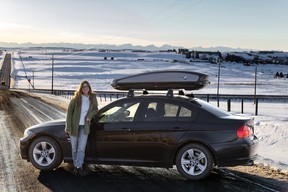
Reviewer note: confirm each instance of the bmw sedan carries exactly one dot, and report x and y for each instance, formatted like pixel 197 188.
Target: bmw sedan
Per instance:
pixel 154 131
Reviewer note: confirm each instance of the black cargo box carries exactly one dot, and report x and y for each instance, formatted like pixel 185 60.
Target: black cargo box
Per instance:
pixel 162 80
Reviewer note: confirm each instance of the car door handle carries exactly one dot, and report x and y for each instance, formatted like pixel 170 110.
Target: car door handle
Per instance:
pixel 177 128
pixel 125 129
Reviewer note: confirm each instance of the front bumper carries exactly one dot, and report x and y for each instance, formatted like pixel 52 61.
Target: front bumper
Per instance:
pixel 24 147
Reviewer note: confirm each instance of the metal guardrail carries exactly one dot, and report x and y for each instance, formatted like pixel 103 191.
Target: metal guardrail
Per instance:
pixel 110 95
pixel 102 95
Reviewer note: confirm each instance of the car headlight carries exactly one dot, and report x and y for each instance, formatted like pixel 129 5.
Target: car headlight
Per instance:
pixel 27 132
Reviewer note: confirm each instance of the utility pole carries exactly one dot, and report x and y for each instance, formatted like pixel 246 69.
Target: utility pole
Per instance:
pixel 52 73
pixel 219 66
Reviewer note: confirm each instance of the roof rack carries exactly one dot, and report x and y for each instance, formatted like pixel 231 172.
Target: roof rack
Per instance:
pixel 170 93
pixel 130 93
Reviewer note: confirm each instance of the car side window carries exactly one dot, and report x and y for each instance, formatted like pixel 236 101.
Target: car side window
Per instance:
pixel 170 110
pixel 151 113
pixel 184 112
pixel 165 111
pixel 125 112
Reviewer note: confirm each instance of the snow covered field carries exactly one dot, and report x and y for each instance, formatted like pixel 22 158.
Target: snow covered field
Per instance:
pixel 271 125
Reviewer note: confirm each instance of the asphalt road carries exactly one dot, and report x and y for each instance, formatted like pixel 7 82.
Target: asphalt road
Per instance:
pixel 5 72
pixel 19 110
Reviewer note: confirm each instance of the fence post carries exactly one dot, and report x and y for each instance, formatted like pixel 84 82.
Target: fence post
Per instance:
pixel 242 106
pixel 208 98
pixel 256 107
pixel 100 95
pixel 229 104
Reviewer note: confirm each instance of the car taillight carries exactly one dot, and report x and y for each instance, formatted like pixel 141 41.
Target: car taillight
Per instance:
pixel 244 131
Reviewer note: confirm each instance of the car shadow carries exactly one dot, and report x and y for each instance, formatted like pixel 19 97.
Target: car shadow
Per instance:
pixel 133 179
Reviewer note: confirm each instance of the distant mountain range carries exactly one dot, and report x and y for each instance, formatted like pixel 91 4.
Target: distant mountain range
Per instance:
pixel 4 45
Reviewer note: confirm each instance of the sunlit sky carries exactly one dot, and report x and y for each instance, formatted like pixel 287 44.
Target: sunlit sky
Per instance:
pixel 251 24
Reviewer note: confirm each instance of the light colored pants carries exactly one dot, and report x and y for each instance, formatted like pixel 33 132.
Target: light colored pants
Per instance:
pixel 78 145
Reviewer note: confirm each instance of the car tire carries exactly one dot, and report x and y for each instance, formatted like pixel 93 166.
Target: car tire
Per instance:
pixel 194 162
pixel 45 154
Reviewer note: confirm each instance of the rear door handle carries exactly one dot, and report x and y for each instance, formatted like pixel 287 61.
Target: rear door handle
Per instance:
pixel 177 128
pixel 125 129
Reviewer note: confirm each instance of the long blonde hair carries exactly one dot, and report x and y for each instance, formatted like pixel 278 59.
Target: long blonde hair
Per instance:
pixel 78 92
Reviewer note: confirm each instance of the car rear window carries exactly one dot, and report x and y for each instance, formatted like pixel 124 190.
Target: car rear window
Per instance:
pixel 211 108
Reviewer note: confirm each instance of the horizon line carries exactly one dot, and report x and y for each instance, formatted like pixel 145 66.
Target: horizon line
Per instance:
pixel 57 44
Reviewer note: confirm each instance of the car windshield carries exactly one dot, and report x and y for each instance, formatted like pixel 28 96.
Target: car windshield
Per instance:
pixel 212 109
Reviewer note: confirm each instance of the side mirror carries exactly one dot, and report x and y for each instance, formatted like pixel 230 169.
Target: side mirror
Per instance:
pixel 127 113
pixel 95 119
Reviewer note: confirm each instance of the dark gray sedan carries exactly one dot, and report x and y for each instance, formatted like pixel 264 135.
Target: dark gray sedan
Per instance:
pixel 151 130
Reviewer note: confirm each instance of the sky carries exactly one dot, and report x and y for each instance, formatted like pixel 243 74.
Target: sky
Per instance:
pixel 70 69
pixel 247 24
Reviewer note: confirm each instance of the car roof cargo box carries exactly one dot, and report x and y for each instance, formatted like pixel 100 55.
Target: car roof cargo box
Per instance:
pixel 162 80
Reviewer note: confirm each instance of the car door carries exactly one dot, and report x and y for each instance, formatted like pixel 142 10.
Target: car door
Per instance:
pixel 111 137
pixel 155 135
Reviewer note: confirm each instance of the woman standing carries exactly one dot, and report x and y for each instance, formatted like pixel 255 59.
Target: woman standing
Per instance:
pixel 81 109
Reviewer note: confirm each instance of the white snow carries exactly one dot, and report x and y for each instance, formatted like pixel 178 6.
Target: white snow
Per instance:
pixel 271 125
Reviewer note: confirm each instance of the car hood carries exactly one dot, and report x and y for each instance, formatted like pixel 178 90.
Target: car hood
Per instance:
pixel 55 123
